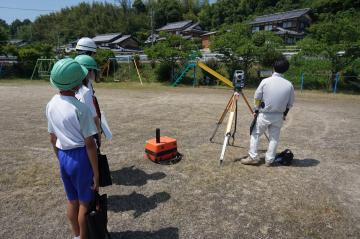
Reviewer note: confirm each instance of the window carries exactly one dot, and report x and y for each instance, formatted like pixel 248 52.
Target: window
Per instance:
pixel 290 41
pixel 268 27
pixel 255 29
pixel 287 24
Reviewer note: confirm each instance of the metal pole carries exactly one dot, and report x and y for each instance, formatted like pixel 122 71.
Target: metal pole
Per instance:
pixel 36 65
pixel 302 81
pixel 337 77
pixel 194 83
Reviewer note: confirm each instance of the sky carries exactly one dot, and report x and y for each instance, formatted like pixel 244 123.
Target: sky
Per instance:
pixel 30 9
pixel 33 8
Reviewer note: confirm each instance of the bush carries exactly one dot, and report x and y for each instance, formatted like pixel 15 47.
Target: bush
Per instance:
pixel 317 72
pixel 27 57
pixel 102 56
pixel 27 60
pixel 163 72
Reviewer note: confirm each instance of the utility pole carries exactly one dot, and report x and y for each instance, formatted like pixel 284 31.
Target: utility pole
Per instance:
pixel 152 21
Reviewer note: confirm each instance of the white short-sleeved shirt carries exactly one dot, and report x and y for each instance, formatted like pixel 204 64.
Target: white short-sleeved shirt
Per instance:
pixel 85 96
pixel 90 87
pixel 70 120
pixel 276 92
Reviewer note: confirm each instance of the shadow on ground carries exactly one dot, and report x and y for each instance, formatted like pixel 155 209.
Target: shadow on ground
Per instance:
pixel 136 202
pixel 131 176
pixel 166 233
pixel 304 162
pixel 301 163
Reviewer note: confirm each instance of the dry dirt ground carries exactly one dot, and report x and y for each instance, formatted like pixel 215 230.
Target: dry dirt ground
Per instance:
pixel 317 197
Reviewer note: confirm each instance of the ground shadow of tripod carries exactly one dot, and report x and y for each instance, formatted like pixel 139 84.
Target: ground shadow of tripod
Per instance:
pixel 136 202
pixel 131 176
pixel 165 233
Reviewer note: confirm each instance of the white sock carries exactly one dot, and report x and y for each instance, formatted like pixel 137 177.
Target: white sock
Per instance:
pixel 78 237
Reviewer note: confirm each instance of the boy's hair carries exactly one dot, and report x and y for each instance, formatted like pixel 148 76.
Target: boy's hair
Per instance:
pixel 281 65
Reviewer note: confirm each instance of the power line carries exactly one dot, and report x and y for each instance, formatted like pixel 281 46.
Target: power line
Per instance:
pixel 27 9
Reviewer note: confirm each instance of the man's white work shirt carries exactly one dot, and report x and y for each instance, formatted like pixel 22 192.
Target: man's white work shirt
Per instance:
pixel 276 92
pixel 85 96
pixel 70 120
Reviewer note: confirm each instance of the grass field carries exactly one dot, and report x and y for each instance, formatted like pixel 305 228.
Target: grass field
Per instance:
pixel 317 197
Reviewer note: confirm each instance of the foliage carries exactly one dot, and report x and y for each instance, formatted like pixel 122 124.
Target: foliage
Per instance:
pixel 235 43
pixel 103 55
pixel 267 43
pixel 139 6
pixel 317 72
pixel 28 56
pixel 163 72
pixel 335 39
pixel 242 49
pixel 167 11
pixel 170 50
pixel 3 37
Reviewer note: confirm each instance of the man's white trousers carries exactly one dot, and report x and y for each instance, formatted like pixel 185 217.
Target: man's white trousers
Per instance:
pixel 271 123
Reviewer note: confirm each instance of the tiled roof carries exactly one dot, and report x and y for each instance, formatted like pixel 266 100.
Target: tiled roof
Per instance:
pixel 175 25
pixel 191 27
pixel 106 37
pixel 121 39
pixel 281 16
pixel 209 34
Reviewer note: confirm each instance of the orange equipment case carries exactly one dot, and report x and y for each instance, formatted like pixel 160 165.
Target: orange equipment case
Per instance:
pixel 161 148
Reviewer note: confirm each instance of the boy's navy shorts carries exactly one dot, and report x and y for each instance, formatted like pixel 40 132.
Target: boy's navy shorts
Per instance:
pixel 76 173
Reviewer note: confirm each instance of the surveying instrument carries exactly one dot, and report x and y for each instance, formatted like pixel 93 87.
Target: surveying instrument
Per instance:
pixel 232 107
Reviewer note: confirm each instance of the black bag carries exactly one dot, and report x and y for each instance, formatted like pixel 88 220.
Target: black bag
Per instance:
pixel 96 218
pixel 285 157
pixel 253 123
pixel 104 171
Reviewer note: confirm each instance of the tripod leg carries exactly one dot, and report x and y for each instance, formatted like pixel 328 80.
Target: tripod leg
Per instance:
pixel 235 124
pixel 228 130
pixel 226 140
pixel 221 118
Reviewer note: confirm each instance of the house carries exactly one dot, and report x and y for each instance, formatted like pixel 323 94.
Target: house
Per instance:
pixel 18 42
pixel 291 25
pixel 184 28
pixel 188 29
pixel 105 39
pixel 126 42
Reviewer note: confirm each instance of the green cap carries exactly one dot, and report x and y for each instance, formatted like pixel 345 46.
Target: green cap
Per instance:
pixel 87 61
pixel 67 74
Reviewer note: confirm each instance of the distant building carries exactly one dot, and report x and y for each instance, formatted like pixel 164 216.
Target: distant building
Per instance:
pixel 188 29
pixel 205 40
pixel 18 42
pixel 125 42
pixel 291 25
pixel 115 41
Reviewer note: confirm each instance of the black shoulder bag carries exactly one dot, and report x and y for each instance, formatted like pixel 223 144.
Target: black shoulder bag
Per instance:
pixel 96 218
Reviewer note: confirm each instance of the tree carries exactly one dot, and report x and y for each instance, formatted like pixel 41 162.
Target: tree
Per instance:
pixel 167 11
pixel 235 42
pixel 267 44
pixel 3 35
pixel 332 36
pixel 174 48
pixel 139 6
pixel 335 38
